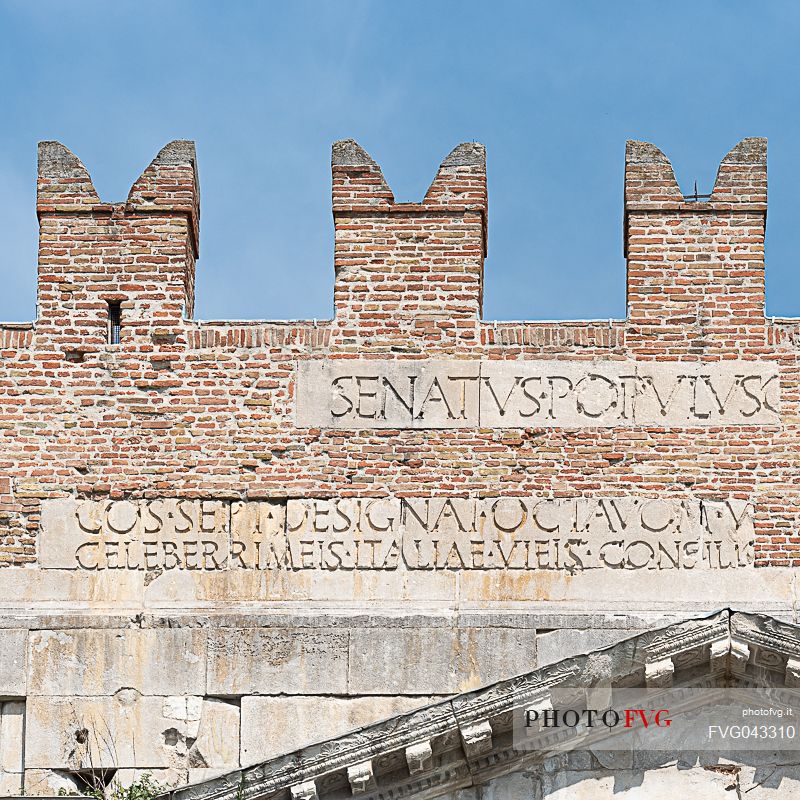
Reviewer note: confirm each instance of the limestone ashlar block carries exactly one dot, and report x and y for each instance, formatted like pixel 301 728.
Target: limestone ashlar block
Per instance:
pixel 94 661
pixel 12 662
pixel 134 535
pixel 666 783
pixel 65 590
pixel 381 394
pixel 461 393
pixel 341 541
pixel 168 778
pixel 649 591
pixel 277 661
pixel 12 727
pixel 567 642
pixel 130 731
pixel 272 726
pixel 688 590
pixel 454 659
pixel 218 736
pixel 50 783
pixel 11 784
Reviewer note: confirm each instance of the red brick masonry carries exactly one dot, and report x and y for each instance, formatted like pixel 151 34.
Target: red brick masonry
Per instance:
pixel 191 409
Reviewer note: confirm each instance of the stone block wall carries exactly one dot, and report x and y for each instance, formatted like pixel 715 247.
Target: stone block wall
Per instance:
pixel 193 695
pixel 583 777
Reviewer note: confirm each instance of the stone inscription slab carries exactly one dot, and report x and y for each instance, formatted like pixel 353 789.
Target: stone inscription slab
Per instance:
pixel 422 533
pixel 362 394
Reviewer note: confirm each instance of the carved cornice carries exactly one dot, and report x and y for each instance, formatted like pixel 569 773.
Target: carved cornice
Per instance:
pixel 767 632
pixel 453 743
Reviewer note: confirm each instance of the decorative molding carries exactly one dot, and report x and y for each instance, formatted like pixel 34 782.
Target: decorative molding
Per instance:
pixel 463 741
pixel 792 678
pixel 686 636
pixel 539 705
pixel 659 674
pixel 419 757
pixel 767 632
pixel 361 777
pixel 304 791
pixel 477 739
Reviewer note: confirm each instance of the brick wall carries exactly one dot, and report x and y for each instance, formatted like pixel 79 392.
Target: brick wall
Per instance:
pixel 186 409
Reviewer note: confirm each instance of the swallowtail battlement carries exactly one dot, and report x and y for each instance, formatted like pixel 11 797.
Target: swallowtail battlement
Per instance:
pixel 220 540
pixel 403 270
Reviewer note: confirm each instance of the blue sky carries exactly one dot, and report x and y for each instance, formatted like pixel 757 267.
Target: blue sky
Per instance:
pixel 552 88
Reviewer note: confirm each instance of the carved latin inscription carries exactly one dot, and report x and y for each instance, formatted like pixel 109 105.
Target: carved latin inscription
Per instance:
pixel 520 394
pixel 135 534
pixel 417 533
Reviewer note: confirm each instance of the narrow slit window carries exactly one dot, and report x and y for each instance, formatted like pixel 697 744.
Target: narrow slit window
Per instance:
pixel 114 322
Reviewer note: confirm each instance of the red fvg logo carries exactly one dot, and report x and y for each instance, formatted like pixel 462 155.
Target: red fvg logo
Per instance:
pixel 640 716
pixel 592 718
